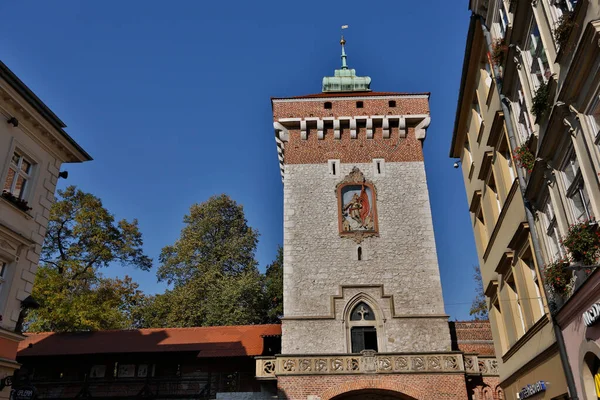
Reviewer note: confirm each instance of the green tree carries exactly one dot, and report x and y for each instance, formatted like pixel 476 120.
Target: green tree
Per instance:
pixel 83 237
pixel 213 271
pixel 274 289
pixel 479 309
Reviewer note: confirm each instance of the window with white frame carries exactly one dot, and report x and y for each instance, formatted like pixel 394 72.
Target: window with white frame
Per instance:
pixel 477 108
pixel 536 285
pixel 594 119
pixel 536 58
pixel 575 189
pixel 553 246
pixel 3 266
pixel 561 7
pixel 18 176
pixel 501 23
pixel 514 296
pixel 523 118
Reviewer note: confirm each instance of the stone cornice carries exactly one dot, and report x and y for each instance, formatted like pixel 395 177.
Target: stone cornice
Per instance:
pixel 523 340
pixel 56 141
pixel 15 337
pixel 351 98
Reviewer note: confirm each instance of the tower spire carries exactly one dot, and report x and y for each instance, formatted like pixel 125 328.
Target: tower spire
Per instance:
pixel 343 42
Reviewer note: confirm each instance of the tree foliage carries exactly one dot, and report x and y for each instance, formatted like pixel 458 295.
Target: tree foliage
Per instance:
pixel 274 289
pixel 479 309
pixel 83 237
pixel 213 271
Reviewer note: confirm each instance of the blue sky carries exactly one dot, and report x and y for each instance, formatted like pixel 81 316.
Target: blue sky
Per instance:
pixel 172 99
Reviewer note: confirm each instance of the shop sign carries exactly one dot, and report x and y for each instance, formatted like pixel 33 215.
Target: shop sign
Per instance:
pixel 23 393
pixel 592 315
pixel 531 390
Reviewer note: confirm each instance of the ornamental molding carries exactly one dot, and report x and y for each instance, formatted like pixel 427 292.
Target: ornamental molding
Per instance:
pixel 36 127
pixel 370 362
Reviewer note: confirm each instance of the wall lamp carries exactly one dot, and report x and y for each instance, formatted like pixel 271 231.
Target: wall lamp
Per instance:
pixel 63 174
pixel 457 164
pixel 13 121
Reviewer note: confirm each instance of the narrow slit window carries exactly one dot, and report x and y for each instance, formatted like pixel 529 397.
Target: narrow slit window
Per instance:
pixel 359 253
pixel 379 167
pixel 333 168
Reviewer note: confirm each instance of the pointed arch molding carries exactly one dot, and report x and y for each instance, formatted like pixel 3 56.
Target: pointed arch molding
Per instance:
pixel 387 298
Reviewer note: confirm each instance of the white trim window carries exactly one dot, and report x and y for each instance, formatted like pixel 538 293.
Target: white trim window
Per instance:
pixel 3 267
pixel 18 176
pixel 536 285
pixel 594 119
pixel 575 189
pixel 560 7
pixel 553 246
pixel 523 119
pixel 502 22
pixel 536 58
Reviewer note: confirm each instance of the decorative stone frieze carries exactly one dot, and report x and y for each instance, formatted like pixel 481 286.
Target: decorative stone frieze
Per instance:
pixel 366 363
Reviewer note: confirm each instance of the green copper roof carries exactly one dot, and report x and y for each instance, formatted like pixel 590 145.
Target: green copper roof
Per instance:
pixel 345 79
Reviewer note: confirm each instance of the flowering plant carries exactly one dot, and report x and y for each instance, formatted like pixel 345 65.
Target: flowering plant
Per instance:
pixel 558 277
pixel 541 102
pixel 499 50
pixel 564 26
pixel 583 242
pixel 19 203
pixel 524 157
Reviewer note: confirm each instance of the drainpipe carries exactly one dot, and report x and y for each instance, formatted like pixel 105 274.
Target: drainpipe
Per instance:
pixel 529 214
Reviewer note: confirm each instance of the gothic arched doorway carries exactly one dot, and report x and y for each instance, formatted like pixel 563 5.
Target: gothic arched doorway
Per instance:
pixel 372 394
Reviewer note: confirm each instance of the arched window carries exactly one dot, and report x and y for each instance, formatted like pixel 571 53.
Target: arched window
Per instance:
pixel 363 328
pixel 591 376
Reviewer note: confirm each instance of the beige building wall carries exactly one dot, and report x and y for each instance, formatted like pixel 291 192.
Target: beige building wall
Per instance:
pixel 33 143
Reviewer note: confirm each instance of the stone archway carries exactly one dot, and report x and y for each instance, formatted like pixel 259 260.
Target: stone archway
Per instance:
pixel 373 389
pixel 372 394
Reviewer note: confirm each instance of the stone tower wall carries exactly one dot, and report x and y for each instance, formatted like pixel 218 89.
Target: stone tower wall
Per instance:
pixel 398 273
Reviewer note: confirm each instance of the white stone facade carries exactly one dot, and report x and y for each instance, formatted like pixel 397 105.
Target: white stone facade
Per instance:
pixel 398 274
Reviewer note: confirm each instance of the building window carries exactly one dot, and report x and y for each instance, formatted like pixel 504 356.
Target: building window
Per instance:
pixel 575 189
pixel 594 120
pixel 535 57
pixel 552 235
pixel 502 19
pixel 562 7
pixel 334 167
pixel 3 267
pixel 378 166
pixel 477 110
pixel 359 104
pixel 19 174
pixel 514 297
pixel 327 105
pixel 363 331
pixel 537 295
pixel 392 103
pixel 523 118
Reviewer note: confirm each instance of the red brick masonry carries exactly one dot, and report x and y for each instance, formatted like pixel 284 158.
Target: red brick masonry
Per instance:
pixel 421 387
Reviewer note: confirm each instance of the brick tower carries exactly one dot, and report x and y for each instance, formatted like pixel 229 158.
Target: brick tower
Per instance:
pixel 363 307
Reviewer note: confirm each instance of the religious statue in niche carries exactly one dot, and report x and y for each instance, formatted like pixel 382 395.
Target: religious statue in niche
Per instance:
pixel 357 206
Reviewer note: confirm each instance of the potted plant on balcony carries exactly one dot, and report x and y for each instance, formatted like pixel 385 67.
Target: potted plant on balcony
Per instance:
pixel 583 242
pixel 14 200
pixel 564 26
pixel 524 157
pixel 558 278
pixel 499 51
pixel 541 102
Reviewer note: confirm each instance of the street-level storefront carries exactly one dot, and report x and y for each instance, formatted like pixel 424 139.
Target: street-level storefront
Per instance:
pixel 542 378
pixel 579 320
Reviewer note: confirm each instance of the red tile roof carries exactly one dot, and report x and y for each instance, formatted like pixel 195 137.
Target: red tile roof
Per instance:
pixel 350 94
pixel 216 341
pixel 474 337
